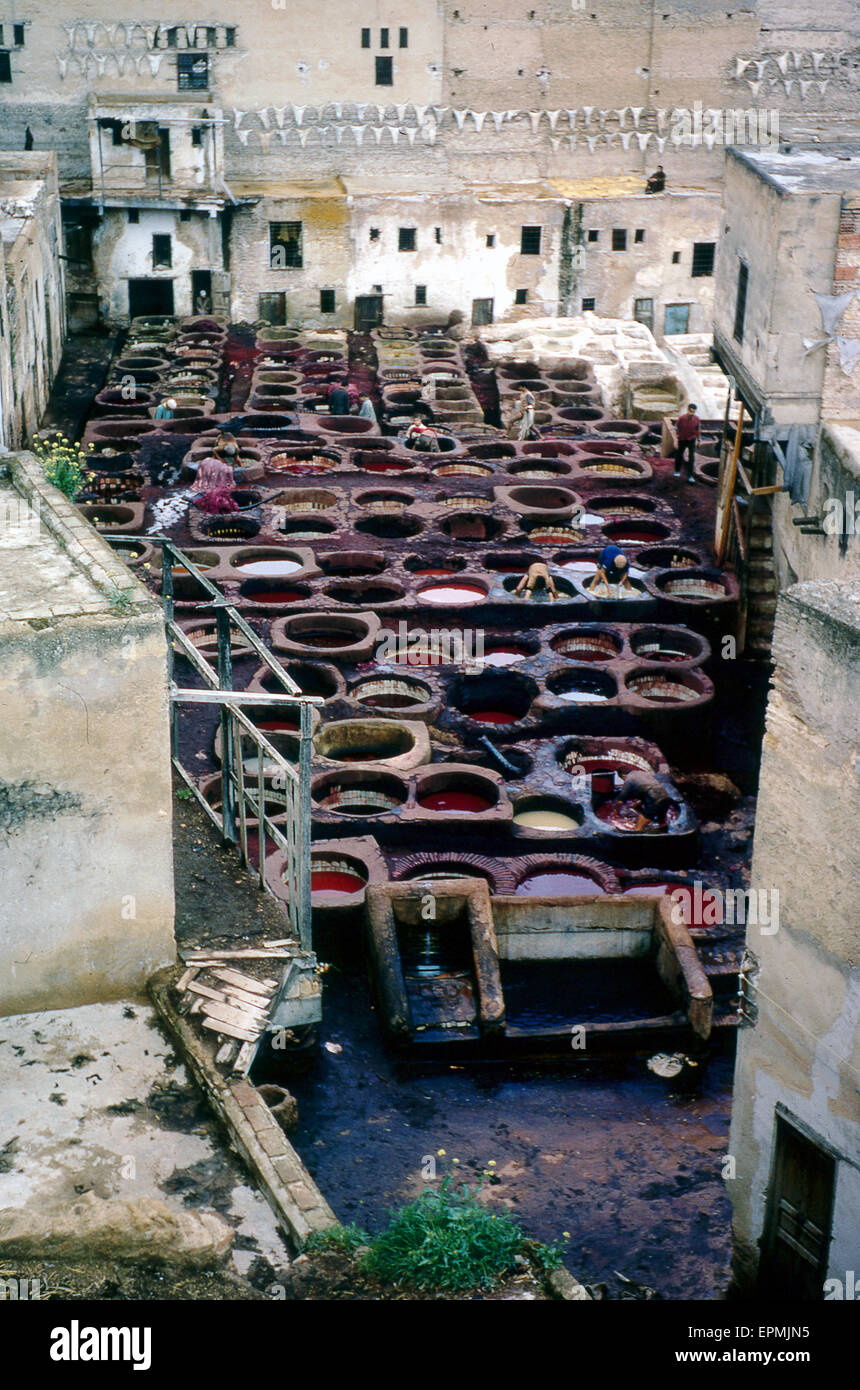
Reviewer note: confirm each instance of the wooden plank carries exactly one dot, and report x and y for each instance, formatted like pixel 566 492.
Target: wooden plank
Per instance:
pixel 229 1031
pixel 255 1002
pixel 226 1054
pixel 187 976
pixel 246 982
pixel 222 957
pixel 197 988
pixel 244 1058
pixel 226 1013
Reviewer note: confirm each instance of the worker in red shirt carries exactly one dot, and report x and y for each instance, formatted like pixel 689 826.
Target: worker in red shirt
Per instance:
pixel 688 428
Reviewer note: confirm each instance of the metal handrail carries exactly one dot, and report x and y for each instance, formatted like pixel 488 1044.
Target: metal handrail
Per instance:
pixel 237 796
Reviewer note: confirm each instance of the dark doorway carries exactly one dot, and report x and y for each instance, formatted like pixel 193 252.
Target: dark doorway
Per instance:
pixel 799 1213
pixel 482 311
pixel 149 297
pixel 368 312
pixel 201 283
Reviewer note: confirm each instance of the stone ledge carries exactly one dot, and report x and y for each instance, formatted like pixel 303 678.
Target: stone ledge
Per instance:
pixel 284 1181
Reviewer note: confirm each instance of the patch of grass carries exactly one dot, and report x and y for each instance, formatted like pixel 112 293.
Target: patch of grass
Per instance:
pixel 345 1239
pixel 183 793
pixel 450 1241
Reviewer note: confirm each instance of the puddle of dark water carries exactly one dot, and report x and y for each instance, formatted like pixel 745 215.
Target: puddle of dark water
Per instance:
pixel 558 994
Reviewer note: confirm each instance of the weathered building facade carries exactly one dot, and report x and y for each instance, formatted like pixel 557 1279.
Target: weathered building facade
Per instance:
pixel 794 1181
pixel 201 132
pixel 32 304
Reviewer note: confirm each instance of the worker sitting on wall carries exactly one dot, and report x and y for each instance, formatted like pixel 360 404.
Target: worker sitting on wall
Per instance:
pixel 537 574
pixel 645 790
pixel 656 181
pixel 612 568
pixel 422 436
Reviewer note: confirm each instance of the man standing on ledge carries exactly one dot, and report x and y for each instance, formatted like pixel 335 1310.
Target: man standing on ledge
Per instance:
pixel 688 428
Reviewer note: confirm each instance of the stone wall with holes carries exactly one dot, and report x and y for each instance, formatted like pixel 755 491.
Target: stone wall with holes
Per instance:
pixel 351 244
pixel 802 1059
pixel 86 857
pixel 124 250
pixel 670 226
pixel 32 312
pixel 767 228
pixel 619 68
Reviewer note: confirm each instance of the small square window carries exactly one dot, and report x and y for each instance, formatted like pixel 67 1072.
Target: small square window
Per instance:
pixel 521 297
pixel 327 302
pixel 676 258
pixel 420 294
pixel 385 72
pixel 383 38
pixel 196 136
pixel 162 252
pixel 491 238
pixel 438 234
pixel 619 238
pixel 406 239
pixel 530 238
pixel 374 234
pixel 192 72
pixel 285 245
pixel 588 306
pixel 365 38
pixel 1 36
pixel 185 216
pixel 593 234
pixel 230 37
pixel 404 38
pixel 134 214
pixel 211 35
pixel 18 35
pixel 703 258
pixel 639 235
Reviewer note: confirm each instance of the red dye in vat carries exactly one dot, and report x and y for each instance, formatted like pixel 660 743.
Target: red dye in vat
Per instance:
pixel 492 716
pixel 335 881
pixel 434 573
pixel 276 724
pixel 384 467
pixel 277 596
pixel 631 537
pixel 454 801
pixel 556 884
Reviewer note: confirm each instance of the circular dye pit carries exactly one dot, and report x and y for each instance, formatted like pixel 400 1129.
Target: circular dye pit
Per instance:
pixel 666 645
pixel 365 797
pixel 268 569
pixel 462 469
pixel 633 533
pixel 454 595
pixel 556 883
pixel 659 690
pixel 624 816
pixel 335 882
pixel 587 646
pixel 696 587
pixel 391 694
pixel 503 654
pixel 455 801
pixel 275 597
pixel 582 687
pixel 364 741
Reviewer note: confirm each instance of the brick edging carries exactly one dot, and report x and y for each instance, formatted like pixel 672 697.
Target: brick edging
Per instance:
pixel 254 1133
